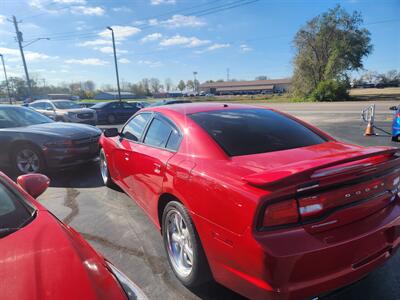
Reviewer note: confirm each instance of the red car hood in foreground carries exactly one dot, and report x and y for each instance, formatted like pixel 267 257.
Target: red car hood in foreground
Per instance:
pixel 48 260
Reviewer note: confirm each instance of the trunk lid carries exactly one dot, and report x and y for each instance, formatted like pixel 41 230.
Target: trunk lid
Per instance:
pixel 333 189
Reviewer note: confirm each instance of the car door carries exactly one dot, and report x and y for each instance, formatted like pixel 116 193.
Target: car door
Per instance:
pixel 122 155
pixel 150 159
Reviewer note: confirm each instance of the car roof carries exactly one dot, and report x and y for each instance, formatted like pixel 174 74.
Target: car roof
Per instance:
pixel 103 103
pixel 10 106
pixel 191 108
pixel 51 100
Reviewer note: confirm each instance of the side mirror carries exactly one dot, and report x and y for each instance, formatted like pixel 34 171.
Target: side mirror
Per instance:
pixel 393 108
pixel 111 132
pixel 34 184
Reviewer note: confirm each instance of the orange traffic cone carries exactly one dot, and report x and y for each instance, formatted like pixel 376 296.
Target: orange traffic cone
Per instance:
pixel 369 130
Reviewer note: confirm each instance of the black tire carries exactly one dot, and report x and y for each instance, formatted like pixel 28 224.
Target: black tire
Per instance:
pixel 39 162
pixel 111 119
pixel 104 171
pixel 396 138
pixel 200 271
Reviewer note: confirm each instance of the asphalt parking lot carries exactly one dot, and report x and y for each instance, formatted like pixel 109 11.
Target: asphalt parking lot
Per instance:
pixel 119 229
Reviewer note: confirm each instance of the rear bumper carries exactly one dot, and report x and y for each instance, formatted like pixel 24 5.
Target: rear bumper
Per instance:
pixel 294 264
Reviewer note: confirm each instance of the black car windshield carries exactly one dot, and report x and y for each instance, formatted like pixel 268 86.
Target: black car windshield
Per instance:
pixel 14 214
pixel 20 117
pixel 66 104
pixel 251 131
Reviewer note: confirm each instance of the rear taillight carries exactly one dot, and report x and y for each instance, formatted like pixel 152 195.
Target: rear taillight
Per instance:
pixel 281 213
pixel 318 205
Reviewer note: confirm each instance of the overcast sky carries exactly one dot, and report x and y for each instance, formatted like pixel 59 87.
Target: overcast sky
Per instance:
pixel 173 38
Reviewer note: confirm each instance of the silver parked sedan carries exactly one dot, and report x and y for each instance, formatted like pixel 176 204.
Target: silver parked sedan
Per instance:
pixel 65 111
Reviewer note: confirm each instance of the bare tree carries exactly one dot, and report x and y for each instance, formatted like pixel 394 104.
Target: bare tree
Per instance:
pixel 155 85
pixel 168 84
pixel 181 85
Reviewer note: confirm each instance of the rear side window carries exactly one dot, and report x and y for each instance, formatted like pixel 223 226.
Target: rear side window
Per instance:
pixel 251 131
pixel 174 140
pixel 162 134
pixel 134 129
pixel 128 105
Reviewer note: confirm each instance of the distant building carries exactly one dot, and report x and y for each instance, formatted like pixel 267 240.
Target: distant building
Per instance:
pixel 170 94
pixel 113 95
pixel 247 87
pixel 59 96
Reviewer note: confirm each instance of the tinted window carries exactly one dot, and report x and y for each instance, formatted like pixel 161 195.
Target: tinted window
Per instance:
pixel 158 133
pixel 13 214
pixel 134 129
pixel 113 105
pixel 128 105
pixel 250 131
pixel 174 139
pixel 100 105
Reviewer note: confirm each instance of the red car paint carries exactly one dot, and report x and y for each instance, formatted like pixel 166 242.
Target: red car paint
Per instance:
pixel 227 197
pixel 47 259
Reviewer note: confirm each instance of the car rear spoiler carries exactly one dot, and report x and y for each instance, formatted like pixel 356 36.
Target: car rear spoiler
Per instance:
pixel 324 167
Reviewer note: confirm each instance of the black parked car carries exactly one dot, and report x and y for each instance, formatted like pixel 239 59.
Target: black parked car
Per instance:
pixel 115 112
pixel 31 142
pixel 168 102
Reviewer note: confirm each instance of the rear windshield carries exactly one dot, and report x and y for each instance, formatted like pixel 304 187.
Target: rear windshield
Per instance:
pixel 251 131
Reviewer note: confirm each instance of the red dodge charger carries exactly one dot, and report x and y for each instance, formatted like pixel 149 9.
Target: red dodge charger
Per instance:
pixel 258 200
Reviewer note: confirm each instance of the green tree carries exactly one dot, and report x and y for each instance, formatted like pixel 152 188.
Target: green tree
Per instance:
pixel 181 85
pixel 327 48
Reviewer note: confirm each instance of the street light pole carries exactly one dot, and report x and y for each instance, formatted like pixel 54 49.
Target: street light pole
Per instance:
pixel 116 65
pixel 5 75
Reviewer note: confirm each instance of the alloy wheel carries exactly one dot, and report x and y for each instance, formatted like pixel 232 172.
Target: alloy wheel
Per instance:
pixel 179 244
pixel 27 161
pixel 103 167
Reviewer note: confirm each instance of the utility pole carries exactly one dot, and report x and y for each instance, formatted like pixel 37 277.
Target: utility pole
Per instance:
pixel 5 75
pixel 227 74
pixel 116 65
pixel 20 40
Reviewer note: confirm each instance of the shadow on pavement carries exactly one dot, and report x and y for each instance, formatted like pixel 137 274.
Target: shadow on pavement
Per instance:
pixel 84 176
pixel 213 290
